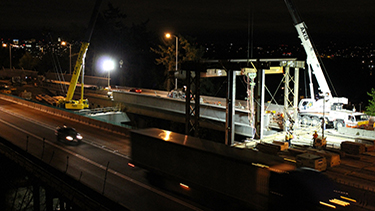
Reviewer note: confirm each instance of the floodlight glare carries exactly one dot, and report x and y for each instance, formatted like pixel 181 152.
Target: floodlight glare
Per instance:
pixel 108 65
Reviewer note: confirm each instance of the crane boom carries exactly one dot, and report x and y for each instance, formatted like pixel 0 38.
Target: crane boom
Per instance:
pixel 80 65
pixel 77 70
pixel 312 60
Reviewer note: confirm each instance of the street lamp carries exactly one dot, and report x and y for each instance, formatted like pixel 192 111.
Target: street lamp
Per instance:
pixel 108 65
pixel 168 35
pixel 10 54
pixel 64 43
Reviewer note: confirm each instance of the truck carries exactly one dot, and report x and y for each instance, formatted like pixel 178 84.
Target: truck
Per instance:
pixel 321 108
pixel 334 116
pixel 232 178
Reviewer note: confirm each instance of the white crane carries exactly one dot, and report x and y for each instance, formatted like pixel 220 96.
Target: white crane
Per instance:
pixel 327 108
pixel 314 67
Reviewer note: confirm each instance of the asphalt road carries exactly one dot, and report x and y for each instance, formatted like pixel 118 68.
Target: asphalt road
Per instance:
pixel 33 131
pixel 100 162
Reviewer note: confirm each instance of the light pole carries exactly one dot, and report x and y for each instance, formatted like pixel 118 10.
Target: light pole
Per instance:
pixel 10 54
pixel 64 43
pixel 108 65
pixel 168 35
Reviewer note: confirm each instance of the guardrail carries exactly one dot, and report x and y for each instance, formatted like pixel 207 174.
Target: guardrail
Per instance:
pixel 68 187
pixel 67 115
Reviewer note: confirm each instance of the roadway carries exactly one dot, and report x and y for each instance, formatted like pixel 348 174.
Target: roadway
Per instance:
pixel 126 185
pixel 89 161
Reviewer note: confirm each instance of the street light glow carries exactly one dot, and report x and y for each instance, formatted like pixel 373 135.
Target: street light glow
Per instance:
pixel 63 43
pixel 4 45
pixel 108 65
pixel 168 35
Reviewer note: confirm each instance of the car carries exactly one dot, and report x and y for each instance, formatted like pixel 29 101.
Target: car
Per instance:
pixel 135 90
pixel 68 135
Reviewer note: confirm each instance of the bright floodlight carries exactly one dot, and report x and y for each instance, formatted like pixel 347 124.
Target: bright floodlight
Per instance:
pixel 108 65
pixel 167 35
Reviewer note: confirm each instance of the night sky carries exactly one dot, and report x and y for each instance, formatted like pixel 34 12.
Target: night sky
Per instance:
pixel 333 20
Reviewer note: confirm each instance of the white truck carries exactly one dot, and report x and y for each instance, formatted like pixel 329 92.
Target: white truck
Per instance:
pixel 326 107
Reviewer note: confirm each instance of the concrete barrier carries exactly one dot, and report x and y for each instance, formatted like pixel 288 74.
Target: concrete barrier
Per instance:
pixel 67 115
pixel 360 133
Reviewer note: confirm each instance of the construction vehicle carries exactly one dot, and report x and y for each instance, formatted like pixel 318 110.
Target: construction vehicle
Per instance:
pixel 325 109
pixel 79 67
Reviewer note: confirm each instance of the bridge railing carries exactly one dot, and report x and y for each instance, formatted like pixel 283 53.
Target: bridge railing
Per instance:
pixel 67 114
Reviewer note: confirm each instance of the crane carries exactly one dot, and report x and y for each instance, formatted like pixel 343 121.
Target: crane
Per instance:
pixel 79 68
pixel 314 67
pixel 327 109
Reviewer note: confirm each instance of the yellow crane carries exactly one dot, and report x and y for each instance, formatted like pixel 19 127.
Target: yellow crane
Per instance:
pixel 68 101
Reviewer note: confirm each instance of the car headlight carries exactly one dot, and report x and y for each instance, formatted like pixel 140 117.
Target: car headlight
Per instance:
pixel 69 138
pixel 79 136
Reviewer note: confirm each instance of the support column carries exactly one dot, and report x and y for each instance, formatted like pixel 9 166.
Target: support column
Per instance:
pixel 258 95
pixel 230 109
pixel 36 197
pixel 286 97
pixel 262 106
pixel 187 104
pixel 296 97
pixel 49 199
pixel 62 204
pixel 192 110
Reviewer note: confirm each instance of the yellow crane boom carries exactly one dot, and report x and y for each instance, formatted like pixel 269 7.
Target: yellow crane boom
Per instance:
pixel 82 103
pixel 68 102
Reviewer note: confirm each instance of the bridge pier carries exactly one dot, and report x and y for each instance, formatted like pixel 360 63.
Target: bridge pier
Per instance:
pixel 36 196
pixel 49 199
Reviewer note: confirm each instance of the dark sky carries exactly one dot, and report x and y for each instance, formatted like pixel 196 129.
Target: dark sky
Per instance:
pixel 342 20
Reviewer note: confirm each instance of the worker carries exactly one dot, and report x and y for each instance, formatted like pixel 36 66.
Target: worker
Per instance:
pixel 315 135
pixel 289 137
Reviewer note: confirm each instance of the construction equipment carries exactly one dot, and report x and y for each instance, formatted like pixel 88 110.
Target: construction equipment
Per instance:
pixel 312 161
pixel 79 67
pixel 325 109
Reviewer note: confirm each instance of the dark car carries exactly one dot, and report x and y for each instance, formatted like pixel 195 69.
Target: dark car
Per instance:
pixel 68 135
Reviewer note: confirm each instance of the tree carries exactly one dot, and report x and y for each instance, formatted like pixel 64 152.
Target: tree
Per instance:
pixel 167 52
pixel 130 43
pixel 28 61
pixel 370 109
